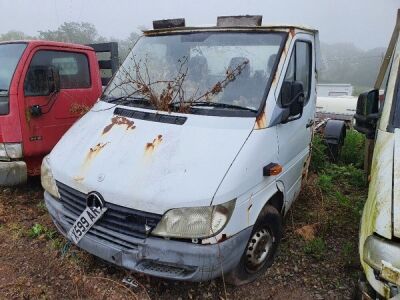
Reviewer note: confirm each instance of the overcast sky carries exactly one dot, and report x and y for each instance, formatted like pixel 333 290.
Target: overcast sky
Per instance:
pixel 366 23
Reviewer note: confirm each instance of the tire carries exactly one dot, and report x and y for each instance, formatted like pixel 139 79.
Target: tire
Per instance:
pixel 261 248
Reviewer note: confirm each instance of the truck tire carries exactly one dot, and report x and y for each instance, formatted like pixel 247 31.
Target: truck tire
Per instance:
pixel 261 248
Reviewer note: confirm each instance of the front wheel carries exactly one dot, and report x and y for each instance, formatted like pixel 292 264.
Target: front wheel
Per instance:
pixel 261 248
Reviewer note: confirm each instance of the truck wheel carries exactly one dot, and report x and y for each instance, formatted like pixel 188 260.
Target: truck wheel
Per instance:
pixel 261 248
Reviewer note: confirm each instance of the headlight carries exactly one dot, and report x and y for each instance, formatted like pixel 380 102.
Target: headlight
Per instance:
pixel 195 222
pixel 48 182
pixel 10 151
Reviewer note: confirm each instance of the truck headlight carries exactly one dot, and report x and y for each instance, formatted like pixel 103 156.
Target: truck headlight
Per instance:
pixel 48 182
pixel 10 151
pixel 195 222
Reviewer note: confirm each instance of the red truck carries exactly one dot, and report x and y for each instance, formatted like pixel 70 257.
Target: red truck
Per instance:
pixel 44 88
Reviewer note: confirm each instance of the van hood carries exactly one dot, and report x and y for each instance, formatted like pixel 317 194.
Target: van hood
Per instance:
pixel 149 165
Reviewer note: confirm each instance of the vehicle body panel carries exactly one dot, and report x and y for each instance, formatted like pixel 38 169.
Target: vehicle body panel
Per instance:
pixel 380 226
pixel 38 135
pixel 158 165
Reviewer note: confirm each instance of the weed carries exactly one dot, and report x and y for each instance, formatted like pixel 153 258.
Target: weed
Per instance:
pixel 353 148
pixel 315 248
pixel 348 251
pixel 57 243
pixel 346 174
pixel 42 206
pixel 319 158
pixel 17 230
pixel 325 183
pixel 342 199
pixel 36 230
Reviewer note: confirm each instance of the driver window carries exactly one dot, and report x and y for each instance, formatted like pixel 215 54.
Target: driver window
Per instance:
pixel 299 68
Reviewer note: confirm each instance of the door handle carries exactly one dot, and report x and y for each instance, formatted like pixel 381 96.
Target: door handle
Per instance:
pixel 310 123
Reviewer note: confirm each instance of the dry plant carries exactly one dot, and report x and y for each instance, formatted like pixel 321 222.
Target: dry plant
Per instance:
pixel 172 93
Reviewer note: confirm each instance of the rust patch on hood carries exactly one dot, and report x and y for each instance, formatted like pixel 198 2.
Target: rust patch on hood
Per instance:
pixel 119 121
pixel 261 121
pixel 93 152
pixel 151 146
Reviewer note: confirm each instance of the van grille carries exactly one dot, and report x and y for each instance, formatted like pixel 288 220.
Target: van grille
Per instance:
pixel 119 225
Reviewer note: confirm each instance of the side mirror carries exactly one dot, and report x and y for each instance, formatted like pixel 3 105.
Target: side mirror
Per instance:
pixel 367 113
pixel 292 99
pixel 42 81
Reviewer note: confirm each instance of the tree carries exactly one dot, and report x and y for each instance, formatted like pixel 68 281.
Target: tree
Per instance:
pixel 73 32
pixel 125 46
pixel 13 35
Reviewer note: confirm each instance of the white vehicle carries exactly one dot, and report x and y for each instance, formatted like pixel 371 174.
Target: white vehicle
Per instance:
pixel 379 243
pixel 195 194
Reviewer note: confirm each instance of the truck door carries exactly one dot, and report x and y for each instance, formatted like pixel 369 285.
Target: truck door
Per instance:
pixel 50 114
pixel 294 137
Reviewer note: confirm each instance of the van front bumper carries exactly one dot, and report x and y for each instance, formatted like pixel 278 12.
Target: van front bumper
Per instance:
pixel 160 257
pixel 12 173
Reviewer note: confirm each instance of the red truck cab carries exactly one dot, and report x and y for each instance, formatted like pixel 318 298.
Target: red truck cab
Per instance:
pixel 44 88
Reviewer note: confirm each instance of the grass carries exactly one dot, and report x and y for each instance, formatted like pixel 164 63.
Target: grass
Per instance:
pixel 342 188
pixel 316 248
pixel 38 230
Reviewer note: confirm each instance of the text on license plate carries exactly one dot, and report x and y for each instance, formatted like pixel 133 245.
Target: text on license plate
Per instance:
pixel 84 222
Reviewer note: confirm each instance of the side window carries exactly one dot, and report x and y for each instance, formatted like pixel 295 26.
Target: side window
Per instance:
pixel 299 68
pixel 73 69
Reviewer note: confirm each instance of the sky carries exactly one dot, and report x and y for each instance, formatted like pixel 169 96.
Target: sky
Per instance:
pixel 366 23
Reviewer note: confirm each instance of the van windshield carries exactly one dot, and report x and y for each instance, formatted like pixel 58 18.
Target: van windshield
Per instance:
pixel 10 55
pixel 206 70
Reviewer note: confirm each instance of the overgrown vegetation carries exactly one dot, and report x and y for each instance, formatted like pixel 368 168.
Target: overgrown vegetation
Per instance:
pixel 341 188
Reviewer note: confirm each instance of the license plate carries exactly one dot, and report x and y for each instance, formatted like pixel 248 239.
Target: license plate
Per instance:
pixel 84 222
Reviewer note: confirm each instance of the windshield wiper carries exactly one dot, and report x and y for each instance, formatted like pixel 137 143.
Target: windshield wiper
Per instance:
pixel 215 104
pixel 129 99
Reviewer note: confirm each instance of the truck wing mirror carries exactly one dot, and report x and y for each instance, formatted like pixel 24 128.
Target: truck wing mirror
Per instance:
pixel 367 113
pixel 292 99
pixel 42 81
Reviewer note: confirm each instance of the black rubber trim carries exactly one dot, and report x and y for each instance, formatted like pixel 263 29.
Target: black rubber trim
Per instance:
pixel 148 116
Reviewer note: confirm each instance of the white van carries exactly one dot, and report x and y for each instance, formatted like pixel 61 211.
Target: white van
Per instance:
pixel 196 188
pixel 379 243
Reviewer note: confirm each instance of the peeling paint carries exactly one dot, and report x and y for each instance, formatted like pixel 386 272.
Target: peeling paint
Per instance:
pixel 119 121
pixel 292 32
pixel 150 147
pixel 261 121
pixel 78 178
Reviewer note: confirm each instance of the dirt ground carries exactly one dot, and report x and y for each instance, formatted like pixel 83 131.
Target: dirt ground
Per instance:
pixel 39 264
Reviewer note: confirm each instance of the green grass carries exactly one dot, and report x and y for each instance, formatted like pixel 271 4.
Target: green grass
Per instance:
pixel 316 248
pixel 38 230
pixel 353 149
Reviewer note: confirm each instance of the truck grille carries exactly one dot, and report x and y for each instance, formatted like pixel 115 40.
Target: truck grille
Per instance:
pixel 119 225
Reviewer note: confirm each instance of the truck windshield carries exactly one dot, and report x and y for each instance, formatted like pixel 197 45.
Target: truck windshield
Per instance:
pixel 10 55
pixel 228 71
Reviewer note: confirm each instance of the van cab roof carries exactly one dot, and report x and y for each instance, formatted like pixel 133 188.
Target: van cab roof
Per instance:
pixel 49 43
pixel 279 27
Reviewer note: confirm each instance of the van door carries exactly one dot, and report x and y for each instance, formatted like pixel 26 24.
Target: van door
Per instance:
pixel 294 137
pixel 59 110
